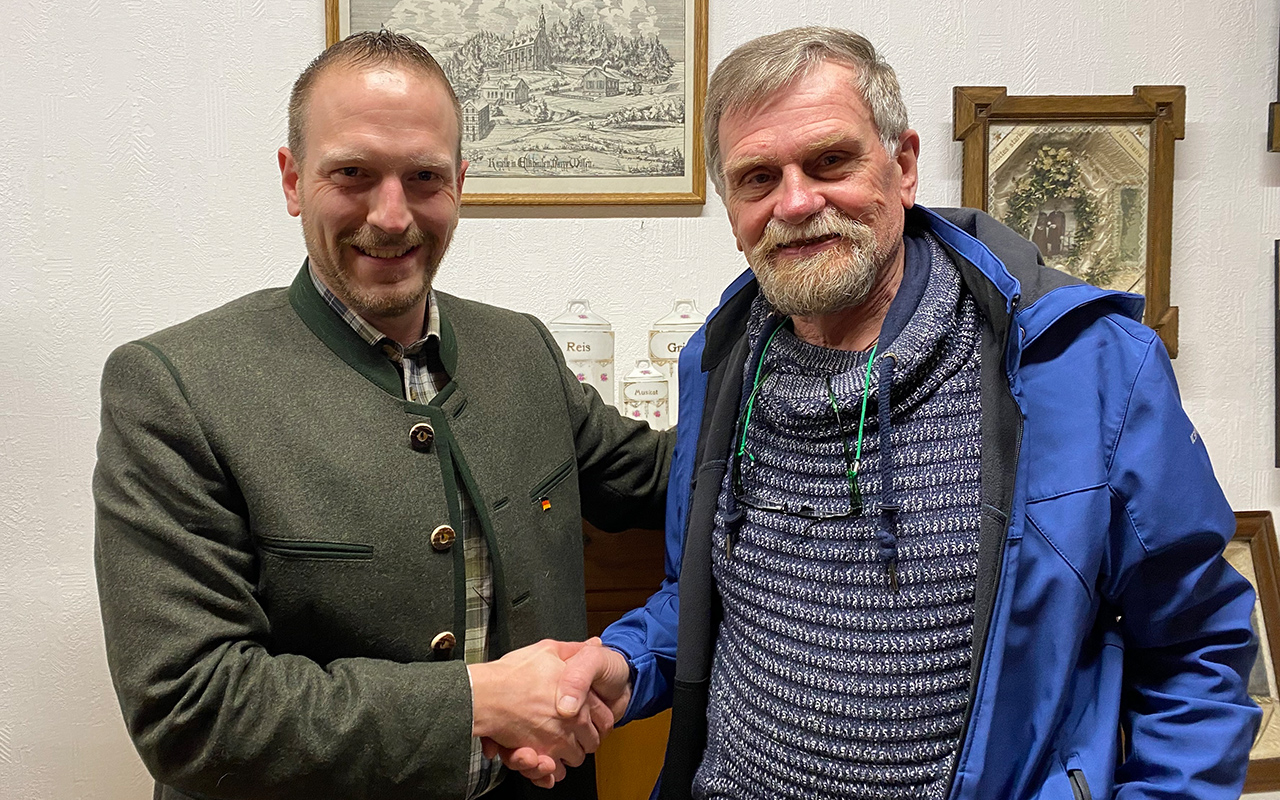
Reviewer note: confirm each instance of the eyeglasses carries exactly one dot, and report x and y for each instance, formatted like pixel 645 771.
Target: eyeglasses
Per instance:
pixel 852 461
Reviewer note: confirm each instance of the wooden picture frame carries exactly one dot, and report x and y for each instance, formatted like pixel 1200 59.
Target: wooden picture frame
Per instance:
pixel 1273 128
pixel 1252 551
pixel 620 124
pixel 1088 178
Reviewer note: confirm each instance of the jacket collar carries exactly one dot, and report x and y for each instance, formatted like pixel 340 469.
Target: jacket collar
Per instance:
pixel 1015 267
pixel 348 345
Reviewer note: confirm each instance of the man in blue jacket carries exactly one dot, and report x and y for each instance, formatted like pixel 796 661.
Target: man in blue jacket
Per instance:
pixel 937 524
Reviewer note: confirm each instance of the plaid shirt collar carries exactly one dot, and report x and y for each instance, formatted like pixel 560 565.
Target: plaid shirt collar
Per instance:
pixel 375 337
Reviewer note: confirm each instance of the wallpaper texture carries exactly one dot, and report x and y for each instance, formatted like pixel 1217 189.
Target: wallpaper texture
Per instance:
pixel 140 187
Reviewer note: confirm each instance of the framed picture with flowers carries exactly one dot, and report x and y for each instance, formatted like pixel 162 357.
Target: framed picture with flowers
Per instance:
pixel 1088 179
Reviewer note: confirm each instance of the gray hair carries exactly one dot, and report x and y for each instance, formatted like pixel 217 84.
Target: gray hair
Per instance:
pixel 364 50
pixel 755 71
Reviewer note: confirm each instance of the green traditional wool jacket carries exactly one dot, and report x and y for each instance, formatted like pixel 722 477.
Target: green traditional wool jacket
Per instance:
pixel 269 589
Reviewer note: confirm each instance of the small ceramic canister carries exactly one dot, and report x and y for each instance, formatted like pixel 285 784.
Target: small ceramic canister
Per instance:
pixel 667 337
pixel 644 395
pixel 586 339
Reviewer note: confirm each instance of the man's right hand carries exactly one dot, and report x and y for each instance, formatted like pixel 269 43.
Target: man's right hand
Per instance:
pixel 513 703
pixel 596 681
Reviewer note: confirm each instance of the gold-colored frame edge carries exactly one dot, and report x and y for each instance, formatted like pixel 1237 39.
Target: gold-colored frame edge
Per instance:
pixel 332 25
pixel 698 170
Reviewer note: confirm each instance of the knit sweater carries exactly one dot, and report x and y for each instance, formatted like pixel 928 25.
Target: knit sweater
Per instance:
pixel 841 668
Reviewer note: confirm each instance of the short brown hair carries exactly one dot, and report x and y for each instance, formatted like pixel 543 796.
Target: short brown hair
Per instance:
pixel 366 49
pixel 755 71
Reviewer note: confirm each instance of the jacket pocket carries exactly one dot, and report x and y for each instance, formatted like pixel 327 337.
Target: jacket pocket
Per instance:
pixel 557 476
pixel 297 549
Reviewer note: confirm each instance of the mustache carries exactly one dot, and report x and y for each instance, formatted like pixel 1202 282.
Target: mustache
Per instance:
pixel 829 222
pixel 368 237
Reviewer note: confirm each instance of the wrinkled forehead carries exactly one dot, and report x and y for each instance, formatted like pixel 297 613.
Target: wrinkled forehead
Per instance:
pixel 840 79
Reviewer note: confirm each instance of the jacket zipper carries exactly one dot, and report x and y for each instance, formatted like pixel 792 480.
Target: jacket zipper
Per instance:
pixel 980 650
pixel 1079 786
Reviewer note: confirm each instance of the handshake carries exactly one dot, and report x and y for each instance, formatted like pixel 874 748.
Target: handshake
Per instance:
pixel 544 707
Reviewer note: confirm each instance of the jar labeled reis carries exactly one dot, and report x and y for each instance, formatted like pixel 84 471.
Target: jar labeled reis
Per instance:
pixel 586 340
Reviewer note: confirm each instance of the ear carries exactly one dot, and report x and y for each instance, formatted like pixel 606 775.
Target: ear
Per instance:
pixel 908 158
pixel 289 180
pixel 462 173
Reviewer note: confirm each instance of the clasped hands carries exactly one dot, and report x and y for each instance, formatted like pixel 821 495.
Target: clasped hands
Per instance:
pixel 546 706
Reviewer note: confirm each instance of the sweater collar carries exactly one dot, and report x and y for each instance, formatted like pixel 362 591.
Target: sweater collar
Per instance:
pixel 929 345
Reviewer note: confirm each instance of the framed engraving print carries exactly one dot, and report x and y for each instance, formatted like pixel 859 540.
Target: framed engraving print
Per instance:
pixel 564 102
pixel 1252 551
pixel 1089 179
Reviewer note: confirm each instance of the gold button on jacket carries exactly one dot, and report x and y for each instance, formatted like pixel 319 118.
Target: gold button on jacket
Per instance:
pixel 444 642
pixel 442 538
pixel 421 436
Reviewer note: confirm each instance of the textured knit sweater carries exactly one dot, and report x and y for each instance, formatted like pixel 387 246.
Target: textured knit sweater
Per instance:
pixel 841 668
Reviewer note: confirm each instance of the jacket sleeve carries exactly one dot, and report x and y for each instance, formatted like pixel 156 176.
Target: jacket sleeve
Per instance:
pixel 211 710
pixel 647 635
pixel 1185 613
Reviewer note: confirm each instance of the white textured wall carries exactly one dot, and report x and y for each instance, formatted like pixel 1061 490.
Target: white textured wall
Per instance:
pixel 138 186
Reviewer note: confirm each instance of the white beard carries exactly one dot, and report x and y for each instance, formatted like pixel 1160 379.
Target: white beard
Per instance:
pixel 837 278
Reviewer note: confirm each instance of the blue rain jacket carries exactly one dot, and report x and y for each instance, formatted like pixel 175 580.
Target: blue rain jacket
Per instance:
pixel 1103 603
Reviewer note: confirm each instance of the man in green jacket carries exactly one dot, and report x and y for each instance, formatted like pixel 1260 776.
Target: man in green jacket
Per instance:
pixel 324 511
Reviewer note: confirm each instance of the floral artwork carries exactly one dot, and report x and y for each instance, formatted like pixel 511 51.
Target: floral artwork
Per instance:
pixel 1079 192
pixel 1087 178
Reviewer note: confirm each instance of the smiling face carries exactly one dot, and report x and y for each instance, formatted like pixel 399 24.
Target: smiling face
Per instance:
pixel 816 203
pixel 377 188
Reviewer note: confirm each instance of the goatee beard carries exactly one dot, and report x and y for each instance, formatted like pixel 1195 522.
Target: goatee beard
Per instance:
pixel 838 277
pixel 372 303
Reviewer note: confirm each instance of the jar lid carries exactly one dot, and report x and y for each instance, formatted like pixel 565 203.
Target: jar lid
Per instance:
pixel 645 371
pixel 578 313
pixel 684 314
